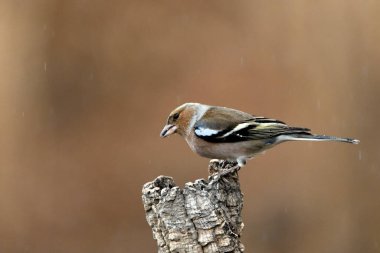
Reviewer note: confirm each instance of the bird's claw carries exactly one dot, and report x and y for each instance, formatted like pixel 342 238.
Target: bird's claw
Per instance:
pixel 223 169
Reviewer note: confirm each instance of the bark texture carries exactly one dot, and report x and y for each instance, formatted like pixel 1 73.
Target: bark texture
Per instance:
pixel 204 217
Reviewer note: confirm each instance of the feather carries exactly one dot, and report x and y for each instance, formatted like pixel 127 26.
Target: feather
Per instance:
pixel 221 124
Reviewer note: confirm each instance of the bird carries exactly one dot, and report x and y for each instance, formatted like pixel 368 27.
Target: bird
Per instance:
pixel 231 135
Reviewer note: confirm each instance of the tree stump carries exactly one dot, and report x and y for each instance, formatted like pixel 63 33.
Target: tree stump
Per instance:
pixel 203 217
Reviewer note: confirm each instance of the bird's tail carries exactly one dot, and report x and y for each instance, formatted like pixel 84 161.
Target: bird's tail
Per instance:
pixel 312 137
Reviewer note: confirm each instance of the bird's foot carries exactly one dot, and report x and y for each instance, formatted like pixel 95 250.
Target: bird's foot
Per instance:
pixel 229 168
pixel 216 165
pixel 220 168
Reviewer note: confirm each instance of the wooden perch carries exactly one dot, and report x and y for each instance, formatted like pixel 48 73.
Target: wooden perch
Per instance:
pixel 203 217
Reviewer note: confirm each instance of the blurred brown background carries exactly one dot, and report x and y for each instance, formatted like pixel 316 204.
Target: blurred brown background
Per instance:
pixel 86 87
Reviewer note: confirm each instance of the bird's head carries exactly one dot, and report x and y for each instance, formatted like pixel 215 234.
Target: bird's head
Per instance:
pixel 179 120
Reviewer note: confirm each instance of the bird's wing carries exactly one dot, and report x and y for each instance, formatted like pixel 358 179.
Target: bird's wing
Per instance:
pixel 228 125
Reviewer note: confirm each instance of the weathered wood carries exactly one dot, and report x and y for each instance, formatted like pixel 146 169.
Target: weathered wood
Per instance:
pixel 203 217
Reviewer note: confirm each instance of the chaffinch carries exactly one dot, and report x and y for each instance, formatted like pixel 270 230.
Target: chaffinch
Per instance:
pixel 223 133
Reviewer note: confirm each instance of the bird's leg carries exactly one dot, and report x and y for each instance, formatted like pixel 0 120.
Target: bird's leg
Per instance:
pixel 234 167
pixel 240 162
pixel 220 168
pixel 224 163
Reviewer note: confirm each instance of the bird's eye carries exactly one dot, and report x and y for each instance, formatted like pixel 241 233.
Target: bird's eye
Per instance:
pixel 176 116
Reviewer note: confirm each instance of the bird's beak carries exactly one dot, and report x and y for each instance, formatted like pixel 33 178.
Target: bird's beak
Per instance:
pixel 168 130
